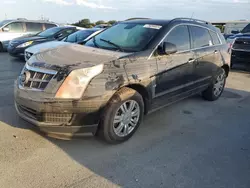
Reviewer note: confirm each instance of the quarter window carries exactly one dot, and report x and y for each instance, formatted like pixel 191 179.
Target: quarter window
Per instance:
pixel 215 38
pixel 201 37
pixel 15 27
pixel 34 27
pixel 179 36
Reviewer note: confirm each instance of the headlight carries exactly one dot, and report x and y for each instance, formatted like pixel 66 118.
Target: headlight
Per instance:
pixel 25 44
pixel 77 81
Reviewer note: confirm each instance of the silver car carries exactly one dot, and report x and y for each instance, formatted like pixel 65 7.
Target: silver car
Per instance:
pixel 10 29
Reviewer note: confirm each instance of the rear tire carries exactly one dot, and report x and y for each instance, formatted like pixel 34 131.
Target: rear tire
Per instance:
pixel 122 116
pixel 216 88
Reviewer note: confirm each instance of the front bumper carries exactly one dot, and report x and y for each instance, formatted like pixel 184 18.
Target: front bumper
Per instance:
pixel 240 57
pixel 60 119
pixel 16 52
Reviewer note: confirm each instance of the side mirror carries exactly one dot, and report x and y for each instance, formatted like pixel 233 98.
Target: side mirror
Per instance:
pixel 169 48
pixel 235 31
pixel 6 29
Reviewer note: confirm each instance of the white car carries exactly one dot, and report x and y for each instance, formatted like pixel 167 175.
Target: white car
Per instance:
pixel 11 29
pixel 78 37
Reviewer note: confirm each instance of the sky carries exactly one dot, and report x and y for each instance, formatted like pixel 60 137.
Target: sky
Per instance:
pixel 70 11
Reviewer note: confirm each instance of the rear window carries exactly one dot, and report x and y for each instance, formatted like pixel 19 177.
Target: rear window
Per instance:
pixel 216 40
pixel 34 27
pixel 201 37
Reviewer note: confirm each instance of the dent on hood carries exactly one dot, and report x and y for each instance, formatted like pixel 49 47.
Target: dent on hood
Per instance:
pixel 64 59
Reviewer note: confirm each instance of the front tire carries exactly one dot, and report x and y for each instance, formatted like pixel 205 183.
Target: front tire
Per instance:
pixel 122 116
pixel 216 88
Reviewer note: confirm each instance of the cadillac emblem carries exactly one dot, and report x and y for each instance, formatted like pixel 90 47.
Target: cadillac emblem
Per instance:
pixel 25 77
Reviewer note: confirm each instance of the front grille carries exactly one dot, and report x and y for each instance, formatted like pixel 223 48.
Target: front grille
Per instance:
pixel 35 78
pixel 45 117
pixel 57 118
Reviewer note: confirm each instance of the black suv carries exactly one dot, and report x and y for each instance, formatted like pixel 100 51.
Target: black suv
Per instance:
pixel 240 47
pixel 121 74
pixel 17 46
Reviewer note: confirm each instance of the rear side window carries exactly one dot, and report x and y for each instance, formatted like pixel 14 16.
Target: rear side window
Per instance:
pixel 216 40
pixel 47 26
pixel 201 37
pixel 179 36
pixel 15 27
pixel 34 27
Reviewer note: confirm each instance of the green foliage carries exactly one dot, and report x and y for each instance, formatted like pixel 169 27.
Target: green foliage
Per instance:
pixel 111 22
pixel 100 22
pixel 87 24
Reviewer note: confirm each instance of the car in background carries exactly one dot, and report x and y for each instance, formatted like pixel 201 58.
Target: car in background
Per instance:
pixel 106 86
pixel 232 28
pixel 11 29
pixel 17 46
pixel 78 37
pixel 239 47
pixel 102 26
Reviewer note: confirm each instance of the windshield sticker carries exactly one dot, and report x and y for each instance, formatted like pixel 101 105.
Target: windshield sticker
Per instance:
pixel 152 26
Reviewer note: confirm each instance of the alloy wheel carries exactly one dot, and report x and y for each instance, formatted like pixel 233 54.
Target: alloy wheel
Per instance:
pixel 126 118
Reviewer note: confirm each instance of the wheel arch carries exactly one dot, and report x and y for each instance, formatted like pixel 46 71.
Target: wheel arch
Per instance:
pixel 226 68
pixel 144 93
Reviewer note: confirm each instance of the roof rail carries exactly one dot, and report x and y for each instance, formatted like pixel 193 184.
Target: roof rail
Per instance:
pixel 192 19
pixel 21 19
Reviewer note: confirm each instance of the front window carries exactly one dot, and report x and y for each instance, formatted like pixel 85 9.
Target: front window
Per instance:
pixel 128 37
pixel 79 36
pixel 2 23
pixel 15 27
pixel 246 29
pixel 49 32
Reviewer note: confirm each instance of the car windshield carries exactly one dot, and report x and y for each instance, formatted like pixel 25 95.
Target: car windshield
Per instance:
pixel 2 23
pixel 128 37
pixel 246 29
pixel 49 32
pixel 79 36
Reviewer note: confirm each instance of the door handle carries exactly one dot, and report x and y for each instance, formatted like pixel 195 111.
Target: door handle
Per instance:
pixel 191 60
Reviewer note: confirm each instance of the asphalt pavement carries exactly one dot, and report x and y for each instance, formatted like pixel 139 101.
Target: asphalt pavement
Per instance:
pixel 191 144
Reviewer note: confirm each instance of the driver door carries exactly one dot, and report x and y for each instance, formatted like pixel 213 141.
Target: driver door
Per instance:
pixel 175 71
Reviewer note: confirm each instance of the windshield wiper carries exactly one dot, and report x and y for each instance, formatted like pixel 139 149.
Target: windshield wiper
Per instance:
pixel 113 44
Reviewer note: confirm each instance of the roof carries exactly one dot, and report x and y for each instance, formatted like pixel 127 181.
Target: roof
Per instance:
pixel 148 21
pixel 25 20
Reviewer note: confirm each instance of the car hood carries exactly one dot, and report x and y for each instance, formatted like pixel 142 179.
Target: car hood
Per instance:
pixel 239 35
pixel 29 38
pixel 45 46
pixel 73 56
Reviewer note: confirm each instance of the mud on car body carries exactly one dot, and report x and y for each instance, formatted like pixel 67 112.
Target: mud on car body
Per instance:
pixel 123 73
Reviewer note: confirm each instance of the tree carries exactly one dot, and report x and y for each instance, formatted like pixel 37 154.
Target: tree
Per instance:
pixel 84 23
pixel 111 22
pixel 100 22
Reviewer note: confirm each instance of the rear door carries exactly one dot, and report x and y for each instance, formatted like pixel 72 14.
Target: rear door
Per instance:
pixel 175 71
pixel 205 52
